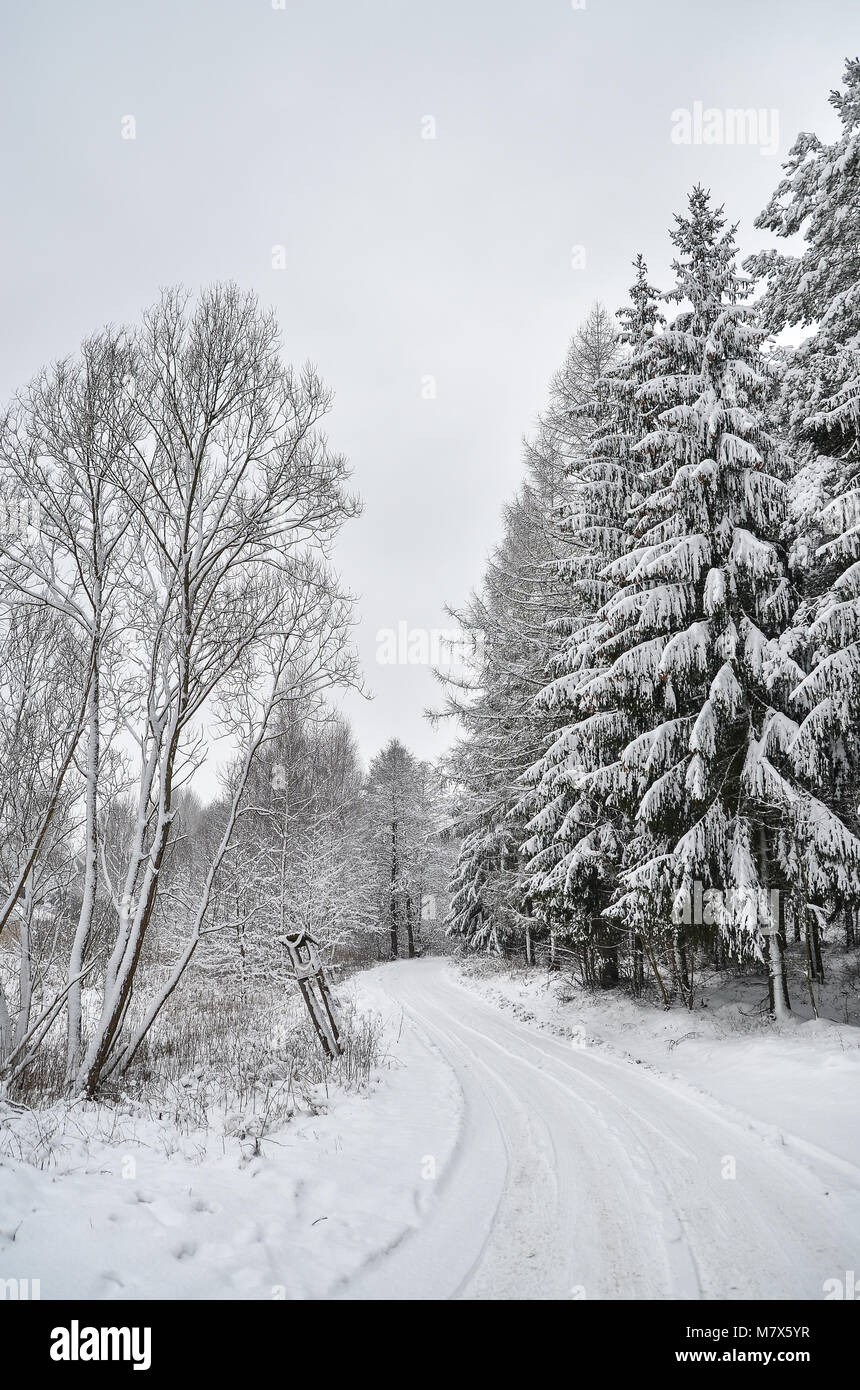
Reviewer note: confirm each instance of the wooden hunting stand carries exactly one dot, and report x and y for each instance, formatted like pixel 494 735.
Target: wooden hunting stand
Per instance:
pixel 308 971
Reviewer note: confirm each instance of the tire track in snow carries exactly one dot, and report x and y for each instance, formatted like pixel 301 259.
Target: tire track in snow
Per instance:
pixel 572 1172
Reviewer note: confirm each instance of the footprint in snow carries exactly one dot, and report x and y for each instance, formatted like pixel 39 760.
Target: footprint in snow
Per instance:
pixel 183 1250
pixel 200 1204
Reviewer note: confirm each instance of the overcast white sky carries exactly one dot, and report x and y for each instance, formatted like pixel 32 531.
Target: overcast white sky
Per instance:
pixel 405 257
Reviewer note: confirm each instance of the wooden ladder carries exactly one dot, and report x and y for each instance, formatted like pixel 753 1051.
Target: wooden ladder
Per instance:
pixel 308 971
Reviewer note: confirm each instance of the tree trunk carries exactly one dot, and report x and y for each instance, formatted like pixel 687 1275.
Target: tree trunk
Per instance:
pixel 25 965
pixel 638 965
pixel 410 935
pixel 85 917
pixel 780 1003
pixel 5 1027
pixel 816 949
pixel 392 894
pixel 777 984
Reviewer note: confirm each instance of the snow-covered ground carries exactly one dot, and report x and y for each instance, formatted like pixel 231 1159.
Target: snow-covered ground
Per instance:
pixel 588 1171
pixel 799 1081
pixel 128 1206
pixel 514 1144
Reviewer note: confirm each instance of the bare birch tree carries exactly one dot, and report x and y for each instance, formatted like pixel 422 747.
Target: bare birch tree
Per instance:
pixel 235 499
pixel 61 443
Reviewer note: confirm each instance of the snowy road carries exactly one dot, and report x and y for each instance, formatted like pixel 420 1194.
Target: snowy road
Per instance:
pixel 490 1159
pixel 576 1175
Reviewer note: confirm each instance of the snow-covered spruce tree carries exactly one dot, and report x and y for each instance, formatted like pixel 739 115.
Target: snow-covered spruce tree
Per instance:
pixel 494 701
pixel 819 289
pixel 696 642
pixel 401 839
pixel 518 621
pixel 575 840
pixel 485 890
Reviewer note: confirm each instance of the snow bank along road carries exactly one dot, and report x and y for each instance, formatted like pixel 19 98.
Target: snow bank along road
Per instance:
pixel 576 1175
